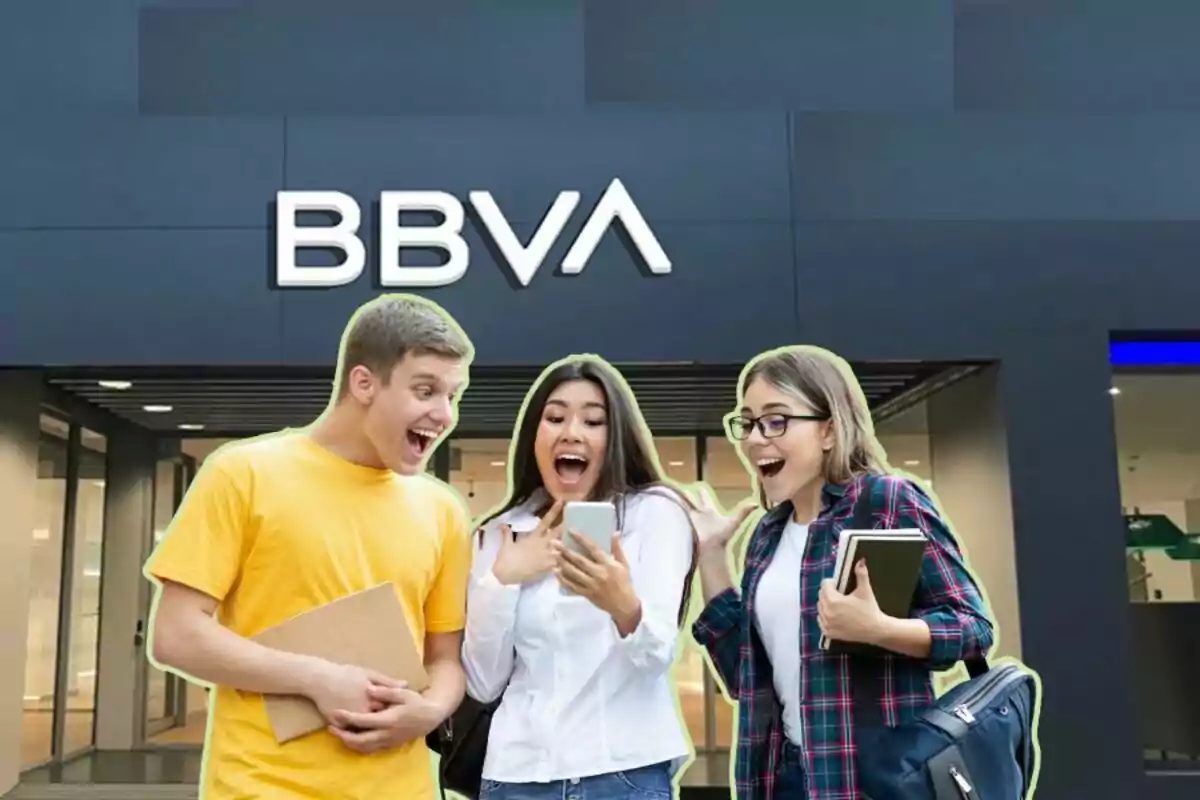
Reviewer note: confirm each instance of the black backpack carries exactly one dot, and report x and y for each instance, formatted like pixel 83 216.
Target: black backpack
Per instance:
pixel 461 741
pixel 976 742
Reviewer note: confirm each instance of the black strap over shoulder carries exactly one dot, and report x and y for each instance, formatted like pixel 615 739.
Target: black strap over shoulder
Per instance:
pixel 867 671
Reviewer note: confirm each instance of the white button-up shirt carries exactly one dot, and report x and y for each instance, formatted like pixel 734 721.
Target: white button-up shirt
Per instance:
pixel 579 700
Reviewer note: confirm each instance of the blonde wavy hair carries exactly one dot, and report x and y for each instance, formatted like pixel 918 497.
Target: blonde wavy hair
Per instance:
pixel 826 384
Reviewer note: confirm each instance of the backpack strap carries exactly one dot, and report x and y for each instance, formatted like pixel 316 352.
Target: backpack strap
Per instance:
pixel 867 671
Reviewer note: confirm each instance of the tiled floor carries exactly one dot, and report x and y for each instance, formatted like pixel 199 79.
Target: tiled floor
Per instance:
pixel 35 733
pixel 191 733
pixel 124 767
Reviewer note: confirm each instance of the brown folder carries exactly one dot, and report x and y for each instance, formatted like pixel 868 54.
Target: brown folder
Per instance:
pixel 367 629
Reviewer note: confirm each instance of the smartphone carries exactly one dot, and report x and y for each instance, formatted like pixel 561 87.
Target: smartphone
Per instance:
pixel 594 521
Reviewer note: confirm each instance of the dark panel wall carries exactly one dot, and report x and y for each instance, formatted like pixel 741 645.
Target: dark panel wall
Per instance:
pixel 116 171
pixel 433 58
pixel 714 188
pixel 955 289
pixel 992 166
pixel 1003 179
pixel 821 54
pixel 1057 55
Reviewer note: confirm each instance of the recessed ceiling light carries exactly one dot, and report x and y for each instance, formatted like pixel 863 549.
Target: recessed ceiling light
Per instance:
pixel 190 426
pixel 118 385
pixel 153 409
pixel 497 463
pixel 675 463
pixel 912 462
pixel 1114 391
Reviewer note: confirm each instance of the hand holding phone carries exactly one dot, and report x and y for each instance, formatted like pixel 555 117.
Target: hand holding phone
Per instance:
pixel 596 522
pixel 602 575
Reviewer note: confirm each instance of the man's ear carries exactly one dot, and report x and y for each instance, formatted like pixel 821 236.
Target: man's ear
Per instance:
pixel 362 384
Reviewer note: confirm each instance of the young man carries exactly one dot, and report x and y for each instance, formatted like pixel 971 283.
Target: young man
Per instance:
pixel 281 524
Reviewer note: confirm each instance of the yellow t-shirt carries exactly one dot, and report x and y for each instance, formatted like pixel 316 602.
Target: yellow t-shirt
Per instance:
pixel 278 525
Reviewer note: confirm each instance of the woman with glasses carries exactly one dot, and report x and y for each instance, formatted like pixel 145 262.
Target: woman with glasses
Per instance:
pixel 580 646
pixel 804 430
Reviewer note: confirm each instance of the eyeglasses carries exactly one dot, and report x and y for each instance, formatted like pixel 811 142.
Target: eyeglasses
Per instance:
pixel 771 426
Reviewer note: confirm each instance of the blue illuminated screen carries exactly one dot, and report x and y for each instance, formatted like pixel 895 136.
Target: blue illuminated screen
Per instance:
pixel 1154 354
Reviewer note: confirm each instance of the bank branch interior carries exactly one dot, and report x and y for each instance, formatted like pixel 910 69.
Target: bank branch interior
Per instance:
pixel 100 508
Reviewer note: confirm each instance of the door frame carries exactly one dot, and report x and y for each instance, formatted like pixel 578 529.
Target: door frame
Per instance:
pixel 65 634
pixel 175 687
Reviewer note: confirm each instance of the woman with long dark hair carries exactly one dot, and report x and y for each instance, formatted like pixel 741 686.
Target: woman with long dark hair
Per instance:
pixel 580 646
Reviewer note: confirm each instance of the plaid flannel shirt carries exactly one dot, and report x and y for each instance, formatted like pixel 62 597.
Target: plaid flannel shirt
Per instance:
pixel 947 599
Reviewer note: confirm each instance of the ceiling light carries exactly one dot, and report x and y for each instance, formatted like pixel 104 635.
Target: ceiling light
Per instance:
pixel 153 409
pixel 118 385
pixel 190 426
pixel 497 463
pixel 99 484
pixel 912 462
pixel 675 463
pixel 1114 391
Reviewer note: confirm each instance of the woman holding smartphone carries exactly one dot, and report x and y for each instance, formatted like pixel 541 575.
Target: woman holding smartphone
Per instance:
pixel 580 644
pixel 804 429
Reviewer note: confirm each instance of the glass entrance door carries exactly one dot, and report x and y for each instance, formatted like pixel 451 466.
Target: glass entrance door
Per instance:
pixel 167 712
pixel 58 719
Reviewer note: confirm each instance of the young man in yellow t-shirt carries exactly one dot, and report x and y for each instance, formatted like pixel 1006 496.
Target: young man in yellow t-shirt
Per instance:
pixel 284 523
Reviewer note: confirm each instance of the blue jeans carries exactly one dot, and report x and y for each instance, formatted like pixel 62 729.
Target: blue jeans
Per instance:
pixel 644 783
pixel 790 781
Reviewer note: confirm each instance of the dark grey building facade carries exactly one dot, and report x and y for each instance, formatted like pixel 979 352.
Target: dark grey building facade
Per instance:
pixel 959 182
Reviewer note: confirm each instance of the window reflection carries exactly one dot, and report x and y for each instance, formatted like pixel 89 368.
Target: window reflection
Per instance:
pixel 678 459
pixel 176 708
pixel 85 594
pixel 1158 449
pixel 44 592
pixel 905 438
pixel 731 483
pixel 725 473
pixel 479 470
pixel 159 713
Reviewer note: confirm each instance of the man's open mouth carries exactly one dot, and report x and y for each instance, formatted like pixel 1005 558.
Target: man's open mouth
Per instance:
pixel 570 467
pixel 421 439
pixel 770 467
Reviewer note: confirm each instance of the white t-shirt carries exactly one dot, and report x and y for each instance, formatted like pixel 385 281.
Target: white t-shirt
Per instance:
pixel 777 618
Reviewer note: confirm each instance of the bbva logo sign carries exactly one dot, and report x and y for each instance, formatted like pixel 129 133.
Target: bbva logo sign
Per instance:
pixel 523 261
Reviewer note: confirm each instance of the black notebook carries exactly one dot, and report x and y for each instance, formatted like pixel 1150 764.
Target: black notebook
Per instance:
pixel 894 561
